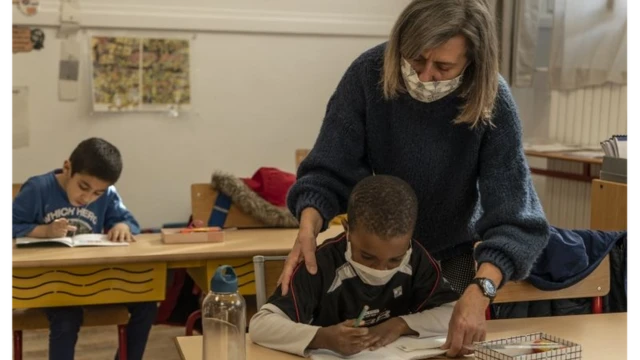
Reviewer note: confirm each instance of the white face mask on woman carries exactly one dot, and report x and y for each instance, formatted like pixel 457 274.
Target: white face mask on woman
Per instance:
pixel 427 91
pixel 374 276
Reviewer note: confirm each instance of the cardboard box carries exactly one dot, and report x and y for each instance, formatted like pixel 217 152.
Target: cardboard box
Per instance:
pixel 175 236
pixel 515 348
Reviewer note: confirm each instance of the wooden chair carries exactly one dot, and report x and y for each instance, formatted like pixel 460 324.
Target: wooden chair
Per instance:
pixel 203 199
pixel 594 286
pixel 35 319
pixel 267 271
pixel 608 206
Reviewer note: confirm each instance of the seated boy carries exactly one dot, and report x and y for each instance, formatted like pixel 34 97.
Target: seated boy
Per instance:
pixel 77 199
pixel 374 263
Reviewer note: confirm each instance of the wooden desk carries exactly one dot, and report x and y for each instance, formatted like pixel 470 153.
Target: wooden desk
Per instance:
pixel 602 336
pixel 190 348
pixel 586 162
pixel 54 276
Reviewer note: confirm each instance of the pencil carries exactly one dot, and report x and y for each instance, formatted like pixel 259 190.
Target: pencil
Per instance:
pixel 361 316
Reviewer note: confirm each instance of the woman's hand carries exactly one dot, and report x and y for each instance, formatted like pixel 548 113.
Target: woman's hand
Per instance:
pixel 304 248
pixel 468 322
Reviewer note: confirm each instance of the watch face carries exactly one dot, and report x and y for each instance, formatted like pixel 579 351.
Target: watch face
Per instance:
pixel 489 288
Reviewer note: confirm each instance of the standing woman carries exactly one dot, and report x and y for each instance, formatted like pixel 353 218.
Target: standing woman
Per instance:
pixel 430 107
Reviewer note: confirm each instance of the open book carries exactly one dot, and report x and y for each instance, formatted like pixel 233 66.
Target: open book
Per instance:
pixel 405 348
pixel 75 241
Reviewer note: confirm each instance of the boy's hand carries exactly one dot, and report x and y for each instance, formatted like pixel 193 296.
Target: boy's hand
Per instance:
pixel 344 339
pixel 59 228
pixel 389 331
pixel 120 232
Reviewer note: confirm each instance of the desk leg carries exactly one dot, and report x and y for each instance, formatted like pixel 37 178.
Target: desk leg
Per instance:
pixel 586 170
pixel 17 345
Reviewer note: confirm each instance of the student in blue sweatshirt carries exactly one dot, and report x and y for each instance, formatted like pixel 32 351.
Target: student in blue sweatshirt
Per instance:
pixel 78 199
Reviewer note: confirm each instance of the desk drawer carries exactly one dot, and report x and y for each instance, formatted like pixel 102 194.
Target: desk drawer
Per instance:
pixel 88 285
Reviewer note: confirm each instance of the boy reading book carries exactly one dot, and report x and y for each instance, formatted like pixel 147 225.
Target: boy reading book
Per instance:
pixel 376 264
pixel 80 199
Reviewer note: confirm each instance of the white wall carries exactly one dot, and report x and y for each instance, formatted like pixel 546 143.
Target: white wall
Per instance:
pixel 262 74
pixel 257 95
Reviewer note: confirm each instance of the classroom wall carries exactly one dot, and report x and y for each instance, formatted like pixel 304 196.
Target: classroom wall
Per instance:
pixel 262 74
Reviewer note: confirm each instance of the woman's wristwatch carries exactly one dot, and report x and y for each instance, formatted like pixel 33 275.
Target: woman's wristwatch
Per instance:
pixel 487 286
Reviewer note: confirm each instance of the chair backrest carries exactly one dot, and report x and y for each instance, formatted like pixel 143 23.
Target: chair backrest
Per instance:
pixel 16 190
pixel 203 197
pixel 267 270
pixel 611 206
pixel 594 285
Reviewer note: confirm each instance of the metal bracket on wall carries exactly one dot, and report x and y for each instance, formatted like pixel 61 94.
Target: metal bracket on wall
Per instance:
pixel 70 50
pixel 70 18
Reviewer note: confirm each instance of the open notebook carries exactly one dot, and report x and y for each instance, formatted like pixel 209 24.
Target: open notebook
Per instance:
pixel 75 241
pixel 405 348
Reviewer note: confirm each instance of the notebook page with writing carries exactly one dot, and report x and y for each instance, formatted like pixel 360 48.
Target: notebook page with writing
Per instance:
pixel 414 348
pixel 384 353
pixel 95 240
pixel 409 343
pixel 379 354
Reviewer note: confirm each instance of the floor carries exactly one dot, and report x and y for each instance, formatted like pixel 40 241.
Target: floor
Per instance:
pixel 100 343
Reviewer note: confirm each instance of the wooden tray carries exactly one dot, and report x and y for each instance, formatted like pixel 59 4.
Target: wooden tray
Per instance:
pixel 174 236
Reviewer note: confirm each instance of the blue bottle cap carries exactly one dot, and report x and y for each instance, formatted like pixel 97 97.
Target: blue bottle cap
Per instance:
pixel 224 280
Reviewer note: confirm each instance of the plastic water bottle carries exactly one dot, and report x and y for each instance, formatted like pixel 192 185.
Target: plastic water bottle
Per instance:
pixel 224 319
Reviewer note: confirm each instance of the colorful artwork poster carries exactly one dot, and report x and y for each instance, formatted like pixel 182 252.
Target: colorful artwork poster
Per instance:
pixel 165 72
pixel 136 74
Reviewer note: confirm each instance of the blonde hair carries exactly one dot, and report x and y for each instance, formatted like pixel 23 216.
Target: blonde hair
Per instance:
pixel 426 24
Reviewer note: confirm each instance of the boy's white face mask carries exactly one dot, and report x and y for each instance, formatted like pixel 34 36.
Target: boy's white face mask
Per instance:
pixel 373 276
pixel 427 91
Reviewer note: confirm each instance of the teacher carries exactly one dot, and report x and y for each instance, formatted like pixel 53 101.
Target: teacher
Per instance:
pixel 430 107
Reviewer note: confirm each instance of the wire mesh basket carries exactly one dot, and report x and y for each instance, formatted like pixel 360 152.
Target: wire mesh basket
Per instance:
pixel 490 350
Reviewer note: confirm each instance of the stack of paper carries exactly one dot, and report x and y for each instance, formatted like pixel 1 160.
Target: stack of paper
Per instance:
pixel 615 146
